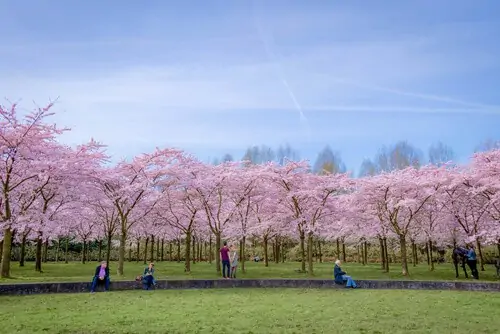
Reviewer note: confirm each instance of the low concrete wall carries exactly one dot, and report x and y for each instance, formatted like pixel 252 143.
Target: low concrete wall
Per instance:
pixel 73 287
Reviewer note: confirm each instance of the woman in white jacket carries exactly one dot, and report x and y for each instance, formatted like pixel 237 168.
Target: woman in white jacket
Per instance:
pixel 233 257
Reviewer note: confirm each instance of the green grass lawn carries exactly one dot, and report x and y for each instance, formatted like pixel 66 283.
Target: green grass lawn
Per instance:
pixel 76 271
pixel 254 311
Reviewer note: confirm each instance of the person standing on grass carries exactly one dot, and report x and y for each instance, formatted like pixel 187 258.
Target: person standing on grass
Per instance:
pixel 234 260
pixel 224 257
pixel 341 277
pixel 101 276
pixel 472 261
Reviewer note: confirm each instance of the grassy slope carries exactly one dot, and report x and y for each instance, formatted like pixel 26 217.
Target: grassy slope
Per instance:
pixel 75 271
pixel 254 311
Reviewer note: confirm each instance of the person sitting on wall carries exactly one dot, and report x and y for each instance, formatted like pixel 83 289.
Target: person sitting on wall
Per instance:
pixel 341 277
pixel 148 279
pixel 101 276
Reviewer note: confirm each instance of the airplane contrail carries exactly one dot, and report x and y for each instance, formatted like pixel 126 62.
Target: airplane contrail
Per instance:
pixel 429 97
pixel 284 81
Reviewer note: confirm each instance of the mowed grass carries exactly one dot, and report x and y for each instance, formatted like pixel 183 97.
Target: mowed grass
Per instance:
pixel 254 311
pixel 75 271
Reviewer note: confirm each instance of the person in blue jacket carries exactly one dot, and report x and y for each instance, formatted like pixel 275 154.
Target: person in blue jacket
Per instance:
pixel 472 261
pixel 341 277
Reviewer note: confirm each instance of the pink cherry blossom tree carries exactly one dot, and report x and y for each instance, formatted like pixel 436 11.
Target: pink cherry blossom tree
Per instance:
pixel 467 206
pixel 212 185
pixel 25 143
pixel 399 196
pixel 267 214
pixel 486 178
pixel 241 192
pixel 306 198
pixel 178 208
pixel 132 188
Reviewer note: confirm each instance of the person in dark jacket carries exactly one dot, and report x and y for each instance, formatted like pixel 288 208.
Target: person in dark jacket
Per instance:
pixel 101 276
pixel 341 277
pixel 148 279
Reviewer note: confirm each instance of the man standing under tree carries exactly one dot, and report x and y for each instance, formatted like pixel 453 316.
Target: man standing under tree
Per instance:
pixel 224 257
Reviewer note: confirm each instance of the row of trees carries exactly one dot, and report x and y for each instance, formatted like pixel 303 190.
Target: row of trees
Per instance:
pixel 50 192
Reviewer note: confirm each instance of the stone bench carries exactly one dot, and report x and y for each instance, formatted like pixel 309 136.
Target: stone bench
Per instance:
pixel 73 287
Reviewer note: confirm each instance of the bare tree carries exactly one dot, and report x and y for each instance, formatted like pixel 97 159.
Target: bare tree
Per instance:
pixel 440 154
pixel 329 161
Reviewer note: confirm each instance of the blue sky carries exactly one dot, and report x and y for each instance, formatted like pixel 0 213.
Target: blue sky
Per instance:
pixel 215 77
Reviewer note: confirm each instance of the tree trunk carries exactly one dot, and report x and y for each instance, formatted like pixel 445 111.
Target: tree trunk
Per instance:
pixel 99 256
pixel 404 258
pixel 38 254
pixel 121 252
pixel 170 251
pixel 138 251
pixel 242 256
pixel 343 251
pixel 200 251
pixel 283 250
pixel 87 253
pixel 157 249
pixel 498 247
pixel 431 267
pixel 66 250
pixel 320 252
pixel 1 250
pixel 58 249
pixel 84 248
pixel 338 249
pixel 108 248
pixel 277 250
pixel 362 252
pixel 310 243
pixel 266 255
pixel 152 249
pixel 480 250
pixel 315 252
pixel 23 251
pixel 240 249
pixel 162 249
pixel 178 250
pixel 414 253
pixel 365 244
pixel 145 254
pixel 382 253
pixel 386 252
pixel 217 247
pixel 45 250
pixel 428 254
pixel 210 253
pixel 194 249
pixel 187 253
pixel 273 248
pixel 302 252
pixel 6 253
